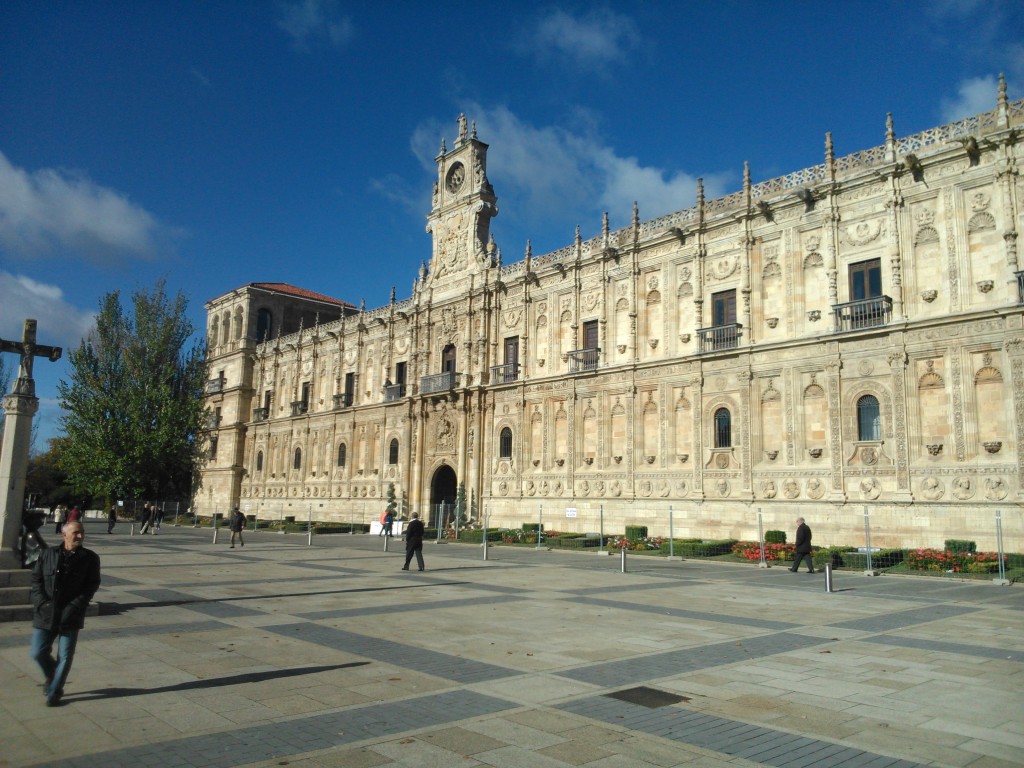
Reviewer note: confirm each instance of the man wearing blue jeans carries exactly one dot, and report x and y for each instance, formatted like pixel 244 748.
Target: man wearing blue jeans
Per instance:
pixel 64 580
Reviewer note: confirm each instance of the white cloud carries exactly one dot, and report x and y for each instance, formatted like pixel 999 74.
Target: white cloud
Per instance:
pixel 590 40
pixel 974 96
pixel 49 209
pixel 557 175
pixel 59 323
pixel 315 21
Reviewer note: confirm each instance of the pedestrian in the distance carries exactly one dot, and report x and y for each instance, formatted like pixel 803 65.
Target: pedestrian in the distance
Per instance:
pixel 237 525
pixel 414 542
pixel 111 518
pixel 74 516
pixel 803 546
pixel 59 518
pixel 64 580
pixel 158 517
pixel 147 517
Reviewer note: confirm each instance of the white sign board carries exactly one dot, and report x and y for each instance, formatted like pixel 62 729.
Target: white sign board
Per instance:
pixel 570 512
pixel 247 507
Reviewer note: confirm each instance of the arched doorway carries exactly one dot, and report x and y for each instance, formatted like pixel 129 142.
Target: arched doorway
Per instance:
pixel 443 489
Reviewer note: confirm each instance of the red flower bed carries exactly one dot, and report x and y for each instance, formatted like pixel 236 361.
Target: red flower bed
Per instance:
pixel 751 550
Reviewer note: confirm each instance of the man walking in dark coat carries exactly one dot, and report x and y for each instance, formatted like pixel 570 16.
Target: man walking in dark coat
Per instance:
pixel 414 542
pixel 64 580
pixel 803 546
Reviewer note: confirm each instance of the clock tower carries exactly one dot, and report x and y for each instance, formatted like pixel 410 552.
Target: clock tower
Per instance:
pixel 462 208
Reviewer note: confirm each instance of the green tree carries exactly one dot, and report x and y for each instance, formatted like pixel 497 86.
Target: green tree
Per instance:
pixel 392 499
pixel 47 480
pixel 133 407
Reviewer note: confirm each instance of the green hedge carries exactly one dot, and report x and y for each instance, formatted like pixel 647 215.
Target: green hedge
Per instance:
pixel 699 547
pixel 960 545
pixel 573 542
pixel 774 537
pixel 858 561
pixel 476 536
pixel 530 527
pixel 634 532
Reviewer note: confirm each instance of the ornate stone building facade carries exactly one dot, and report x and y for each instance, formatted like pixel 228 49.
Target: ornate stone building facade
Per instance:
pixel 843 341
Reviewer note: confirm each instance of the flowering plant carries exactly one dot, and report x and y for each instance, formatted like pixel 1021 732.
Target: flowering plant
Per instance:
pixel 952 562
pixel 635 545
pixel 751 550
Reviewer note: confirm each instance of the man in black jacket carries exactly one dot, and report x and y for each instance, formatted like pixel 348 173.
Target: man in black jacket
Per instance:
pixel 803 546
pixel 64 580
pixel 414 542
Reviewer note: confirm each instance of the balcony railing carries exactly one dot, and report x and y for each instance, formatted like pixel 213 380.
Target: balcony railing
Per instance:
pixel 866 313
pixel 439 382
pixel 213 386
pixel 260 414
pixel 504 374
pixel 394 392
pixel 584 359
pixel 212 421
pixel 1020 287
pixel 343 400
pixel 719 337
pixel 299 407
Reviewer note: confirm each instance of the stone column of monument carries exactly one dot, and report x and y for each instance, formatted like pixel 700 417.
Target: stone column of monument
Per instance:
pixel 19 408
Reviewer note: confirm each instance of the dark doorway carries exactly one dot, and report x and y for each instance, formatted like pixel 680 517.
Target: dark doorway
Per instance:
pixel 443 489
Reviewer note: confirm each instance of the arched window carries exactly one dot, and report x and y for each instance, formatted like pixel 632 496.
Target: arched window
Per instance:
pixel 869 420
pixel 505 444
pixel 341 454
pixel 393 452
pixel 723 428
pixel 264 322
pixel 297 461
pixel 259 461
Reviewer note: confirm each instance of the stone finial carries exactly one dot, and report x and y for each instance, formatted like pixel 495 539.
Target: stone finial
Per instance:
pixel 579 240
pixel 462 127
pixel 362 305
pixel 497 257
pixel 472 130
pixel 636 215
pixel 890 128
pixel 1003 105
pixel 700 200
pixel 491 245
pixel 830 157
pixel 392 294
pixel 423 270
pixel 604 227
pixel 443 147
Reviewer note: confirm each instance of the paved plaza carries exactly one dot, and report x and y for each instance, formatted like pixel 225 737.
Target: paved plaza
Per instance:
pixel 280 653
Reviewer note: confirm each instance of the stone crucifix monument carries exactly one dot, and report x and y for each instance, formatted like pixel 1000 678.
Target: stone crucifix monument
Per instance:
pixel 19 408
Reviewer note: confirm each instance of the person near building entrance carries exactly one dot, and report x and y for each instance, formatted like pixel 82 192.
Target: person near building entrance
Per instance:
pixel 237 525
pixel 414 542
pixel 388 523
pixel 64 580
pixel 803 546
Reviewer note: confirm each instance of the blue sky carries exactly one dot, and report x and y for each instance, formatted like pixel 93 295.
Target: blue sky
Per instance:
pixel 220 143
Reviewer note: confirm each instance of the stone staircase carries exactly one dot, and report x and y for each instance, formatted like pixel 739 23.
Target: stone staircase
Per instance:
pixel 15 603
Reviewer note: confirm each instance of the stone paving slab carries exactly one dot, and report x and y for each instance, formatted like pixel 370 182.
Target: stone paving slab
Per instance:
pixel 328 655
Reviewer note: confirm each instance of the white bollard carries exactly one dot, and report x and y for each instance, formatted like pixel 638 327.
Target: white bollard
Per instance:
pixel 828 577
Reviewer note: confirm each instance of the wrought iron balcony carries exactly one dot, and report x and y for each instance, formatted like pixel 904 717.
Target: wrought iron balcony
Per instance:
pixel 299 407
pixel 260 414
pixel 343 400
pixel 1020 287
pixel 584 359
pixel 213 386
pixel 394 392
pixel 439 382
pixel 719 337
pixel 212 421
pixel 866 313
pixel 504 374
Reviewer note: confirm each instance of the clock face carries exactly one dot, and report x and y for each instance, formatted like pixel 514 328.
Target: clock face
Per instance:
pixel 456 176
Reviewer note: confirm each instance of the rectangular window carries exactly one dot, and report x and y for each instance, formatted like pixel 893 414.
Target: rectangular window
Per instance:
pixel 590 340
pixel 305 396
pixel 350 388
pixel 512 351
pixel 400 374
pixel 268 397
pixel 866 280
pixel 723 308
